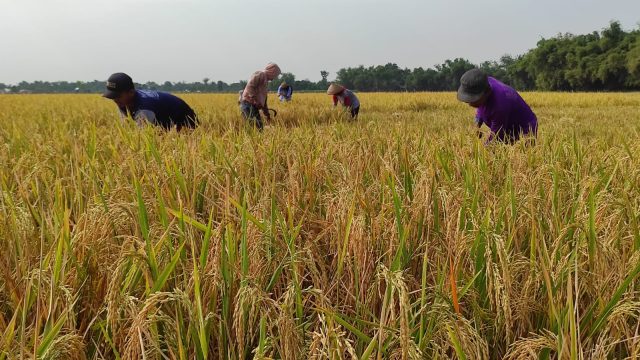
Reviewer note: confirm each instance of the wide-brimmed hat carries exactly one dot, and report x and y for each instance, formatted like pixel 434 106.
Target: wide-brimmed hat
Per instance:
pixel 474 84
pixel 335 89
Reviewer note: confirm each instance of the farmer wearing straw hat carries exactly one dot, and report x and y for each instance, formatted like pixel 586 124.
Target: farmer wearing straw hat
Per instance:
pixel 145 106
pixel 346 97
pixel 499 106
pixel 285 91
pixel 254 96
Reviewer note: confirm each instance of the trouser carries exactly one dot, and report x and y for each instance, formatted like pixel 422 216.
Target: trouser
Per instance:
pixel 252 114
pixel 354 112
pixel 189 121
pixel 511 136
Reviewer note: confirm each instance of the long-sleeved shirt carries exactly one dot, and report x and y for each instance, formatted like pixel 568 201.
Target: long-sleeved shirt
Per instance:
pixel 347 98
pixel 506 113
pixel 161 109
pixel 255 93
pixel 285 92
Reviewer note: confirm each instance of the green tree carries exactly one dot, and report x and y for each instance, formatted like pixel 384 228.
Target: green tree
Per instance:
pixel 324 82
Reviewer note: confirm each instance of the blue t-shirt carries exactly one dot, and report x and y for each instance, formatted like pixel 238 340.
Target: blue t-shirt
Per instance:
pixel 285 92
pixel 161 109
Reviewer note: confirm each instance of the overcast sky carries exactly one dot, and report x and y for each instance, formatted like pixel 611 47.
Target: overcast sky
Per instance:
pixel 187 40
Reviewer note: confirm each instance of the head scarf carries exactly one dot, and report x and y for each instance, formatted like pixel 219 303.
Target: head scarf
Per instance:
pixel 272 70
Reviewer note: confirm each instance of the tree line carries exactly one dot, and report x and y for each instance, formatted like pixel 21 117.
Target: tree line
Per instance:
pixel 608 60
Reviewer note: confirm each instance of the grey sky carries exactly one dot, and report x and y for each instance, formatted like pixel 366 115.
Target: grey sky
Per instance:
pixel 227 40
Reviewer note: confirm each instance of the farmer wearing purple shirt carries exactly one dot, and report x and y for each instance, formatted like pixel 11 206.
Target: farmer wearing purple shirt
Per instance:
pixel 499 106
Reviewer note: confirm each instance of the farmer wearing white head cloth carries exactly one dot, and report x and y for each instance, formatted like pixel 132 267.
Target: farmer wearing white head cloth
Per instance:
pixel 254 96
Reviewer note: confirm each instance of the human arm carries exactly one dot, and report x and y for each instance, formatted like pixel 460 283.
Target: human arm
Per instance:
pixel 478 121
pixel 142 116
pixel 265 110
pixel 496 124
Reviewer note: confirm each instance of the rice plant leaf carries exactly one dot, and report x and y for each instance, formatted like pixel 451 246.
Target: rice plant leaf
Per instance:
pixel 50 334
pixel 164 275
pixel 600 321
pixel 187 219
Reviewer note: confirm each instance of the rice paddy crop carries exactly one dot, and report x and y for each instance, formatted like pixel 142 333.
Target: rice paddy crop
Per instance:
pixel 397 236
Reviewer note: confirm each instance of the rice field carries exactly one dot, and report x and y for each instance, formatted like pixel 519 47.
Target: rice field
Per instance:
pixel 397 236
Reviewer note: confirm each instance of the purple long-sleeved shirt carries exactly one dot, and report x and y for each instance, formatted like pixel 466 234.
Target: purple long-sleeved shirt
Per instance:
pixel 506 114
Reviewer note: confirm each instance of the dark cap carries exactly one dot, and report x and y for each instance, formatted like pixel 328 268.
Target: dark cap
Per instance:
pixel 117 84
pixel 474 84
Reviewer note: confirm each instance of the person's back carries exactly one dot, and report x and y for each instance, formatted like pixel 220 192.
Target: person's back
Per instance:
pixel 146 106
pixel 498 106
pixel 506 113
pixel 163 109
pixel 348 98
pixel 255 92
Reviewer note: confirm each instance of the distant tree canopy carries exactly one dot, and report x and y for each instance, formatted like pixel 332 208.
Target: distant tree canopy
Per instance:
pixel 608 61
pixel 601 61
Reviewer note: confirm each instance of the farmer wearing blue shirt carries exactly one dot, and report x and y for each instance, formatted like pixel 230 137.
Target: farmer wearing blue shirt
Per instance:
pixel 145 106
pixel 285 92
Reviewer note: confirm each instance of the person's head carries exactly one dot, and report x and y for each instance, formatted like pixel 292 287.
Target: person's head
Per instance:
pixel 474 88
pixel 335 89
pixel 284 85
pixel 120 89
pixel 272 70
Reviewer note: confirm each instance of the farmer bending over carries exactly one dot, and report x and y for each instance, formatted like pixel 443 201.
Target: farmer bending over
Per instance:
pixel 146 106
pixel 346 97
pixel 285 91
pixel 254 96
pixel 499 106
